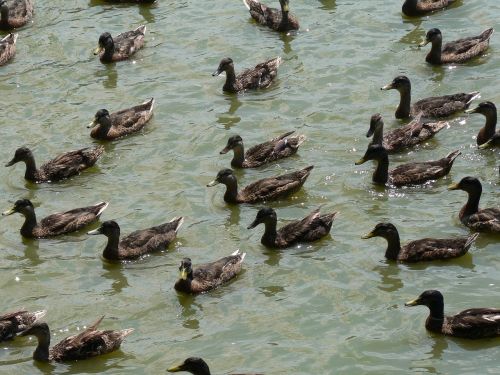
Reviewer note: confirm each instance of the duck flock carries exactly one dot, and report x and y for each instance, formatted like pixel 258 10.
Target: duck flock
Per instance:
pixel 421 120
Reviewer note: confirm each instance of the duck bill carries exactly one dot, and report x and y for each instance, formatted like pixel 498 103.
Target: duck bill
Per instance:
pixel 360 161
pixel 8 212
pixel 175 368
pixel 216 73
pixel 92 124
pixel 368 235
pixel 11 163
pixel 453 187
pixel 184 274
pixel 95 232
pixel 485 145
pixel 469 111
pixel 424 43
pixel 286 7
pixel 225 150
pixel 253 225
pixel 213 183
pixel 370 132
pixel 414 302
pixel 98 50
pixel 387 87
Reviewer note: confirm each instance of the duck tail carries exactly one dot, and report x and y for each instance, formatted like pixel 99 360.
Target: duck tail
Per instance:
pixel 246 4
pixel 150 103
pixel 180 221
pixel 102 206
pixel 453 155
pixel 470 240
pixel 486 34
pixel 300 139
pixel 473 95
pixel 125 332
pixel 141 29
pixel 37 315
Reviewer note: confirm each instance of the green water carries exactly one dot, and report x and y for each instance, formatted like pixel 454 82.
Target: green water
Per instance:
pixel 332 307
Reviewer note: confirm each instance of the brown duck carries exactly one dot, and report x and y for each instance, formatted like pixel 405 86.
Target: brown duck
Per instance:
pixel 277 148
pixel 208 276
pixel 121 47
pixel 279 20
pixel 195 366
pixel 15 13
pixel 488 110
pixel 63 166
pixel 413 8
pixel 16 321
pixel 7 48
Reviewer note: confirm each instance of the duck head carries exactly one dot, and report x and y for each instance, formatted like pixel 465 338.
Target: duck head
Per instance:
pixel 224 65
pixel 263 216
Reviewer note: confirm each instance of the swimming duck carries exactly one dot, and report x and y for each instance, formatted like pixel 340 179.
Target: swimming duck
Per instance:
pixel 261 76
pixel 139 242
pixel 106 126
pixel 438 106
pixel 15 13
pixel 474 323
pixel 425 249
pixel 415 132
pixel 7 48
pixel 122 46
pixel 89 343
pixel 195 366
pixel 458 51
pixel 264 189
pixel 16 321
pixel 492 142
pixel 406 174
pixel 488 110
pixel 208 276
pixel 55 224
pixel 279 20
pixel 263 153
pixel 311 228
pixel 413 8
pixel 62 166
pixel 485 220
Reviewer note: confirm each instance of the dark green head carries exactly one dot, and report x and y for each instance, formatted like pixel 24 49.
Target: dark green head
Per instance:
pixel 21 154
pixel 194 365
pixel 186 269
pixel 101 118
pixel 108 228
pixel 385 230
pixel 373 152
pixel 433 299
pixel 468 184
pixel 433 35
pixel 232 143
pixel 105 42
pixel 224 65
pixel 400 83
pixel 484 108
pixel 264 215
pixel 21 206
pixel 224 176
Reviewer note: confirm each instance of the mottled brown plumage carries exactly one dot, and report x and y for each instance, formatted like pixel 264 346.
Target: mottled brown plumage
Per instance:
pixel 137 243
pixel 264 189
pixel 7 48
pixel 311 228
pixel 481 220
pixel 15 13
pixel 195 366
pixel 413 133
pixel 208 276
pixel 277 19
pixel 422 250
pixel 474 323
pixel 16 321
pixel 413 8
pixel 433 107
pixel 89 343
pixel 106 126
pixel 55 224
pixel 488 110
pixel 261 76
pixel 63 166
pixel 263 153
pixel 406 174
pixel 121 47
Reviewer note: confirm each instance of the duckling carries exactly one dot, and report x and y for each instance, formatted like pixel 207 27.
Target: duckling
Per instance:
pixel 492 142
pixel 484 220
pixel 195 366
pixel 458 51
pixel 433 107
pixel 406 174
pixel 425 249
pixel 279 20
pixel 311 228
pixel 15 14
pixel 488 110
pixel 474 323
pixel 106 126
pixel 55 224
pixel 208 276
pixel 89 343
pixel 139 242
pixel 264 189
pixel 263 153
pixel 7 48
pixel 16 321
pixel 413 8
pixel 261 76
pixel 62 166
pixel 415 132
pixel 122 46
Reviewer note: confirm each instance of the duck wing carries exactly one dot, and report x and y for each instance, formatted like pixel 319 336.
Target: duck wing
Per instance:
pixel 260 76
pixel 427 249
pixel 474 323
pixel 127 43
pixel 444 106
pixel 466 48
pixel 485 220
pixel 311 228
pixel 210 275
pixel 7 48
pixel 132 119
pixel 70 163
pixel 277 148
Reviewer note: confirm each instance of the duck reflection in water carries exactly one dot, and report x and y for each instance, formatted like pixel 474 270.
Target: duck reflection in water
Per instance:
pixel 228 119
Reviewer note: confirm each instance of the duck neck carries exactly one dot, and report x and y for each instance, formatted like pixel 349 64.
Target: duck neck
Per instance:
pixel 393 246
pixel 42 351
pixel 284 18
pixel 472 205
pixel 230 84
pixel 111 250
pixel 4 15
pixel 404 107
pixel 109 50
pixel 378 136
pixel 231 194
pixel 434 56
pixel 184 285
pixel 102 128
pixel 29 222
pixel 410 6
pixel 435 319
pixel 488 130
pixel 31 170
pixel 239 156
pixel 270 233
pixel 381 174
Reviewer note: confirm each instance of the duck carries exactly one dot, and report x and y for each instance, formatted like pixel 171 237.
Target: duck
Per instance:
pixel 195 366
pixel 433 107
pixel 475 323
pixel 107 127
pixel 7 48
pixel 278 20
pixel 15 13
pixel 406 174
pixel 264 189
pixel 311 228
pixel 458 51
pixel 411 134
pixel 13 322
pixel 481 220
pixel 488 110
pixel 259 77
pixel 277 148
pixel 122 46
pixel 137 243
pixel 208 276
pixel 55 224
pixel 414 8
pixel 61 167
pixel 89 343
pixel 425 249
pixel 492 142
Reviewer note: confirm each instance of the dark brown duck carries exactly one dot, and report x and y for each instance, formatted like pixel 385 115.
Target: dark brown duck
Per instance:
pixel 488 110
pixel 121 47
pixel 277 19
pixel 414 8
pixel 15 13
